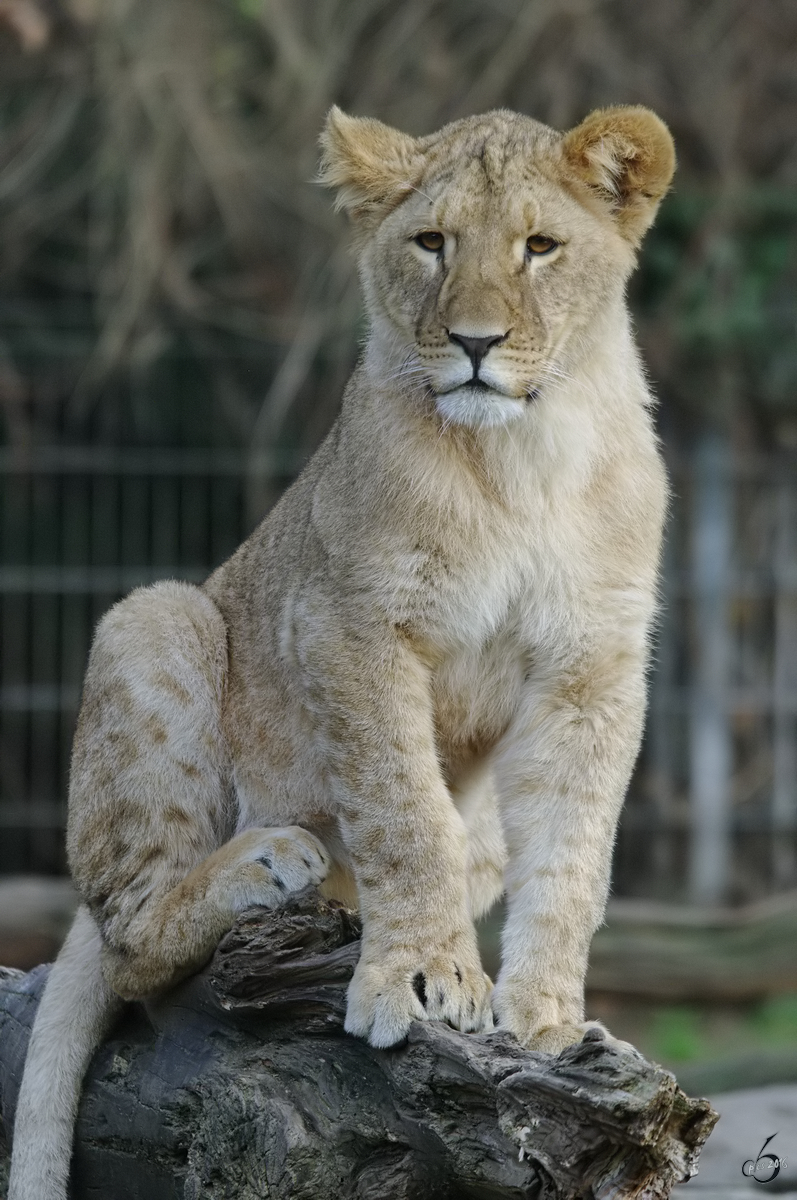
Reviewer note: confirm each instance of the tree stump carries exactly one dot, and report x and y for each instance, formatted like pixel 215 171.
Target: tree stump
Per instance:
pixel 242 1084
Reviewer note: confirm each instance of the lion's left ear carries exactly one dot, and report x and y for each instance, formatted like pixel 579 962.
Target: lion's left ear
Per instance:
pixel 372 165
pixel 626 157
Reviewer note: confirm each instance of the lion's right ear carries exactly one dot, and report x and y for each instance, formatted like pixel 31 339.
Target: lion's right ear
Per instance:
pixel 372 166
pixel 626 158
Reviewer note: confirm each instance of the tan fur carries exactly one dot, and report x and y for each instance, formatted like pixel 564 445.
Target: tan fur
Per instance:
pixel 431 655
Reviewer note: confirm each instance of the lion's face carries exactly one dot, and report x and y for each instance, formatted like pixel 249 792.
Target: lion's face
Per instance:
pixel 491 263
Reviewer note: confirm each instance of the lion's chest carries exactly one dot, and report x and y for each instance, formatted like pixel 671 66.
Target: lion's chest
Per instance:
pixel 463 594
pixel 475 695
pixel 487 622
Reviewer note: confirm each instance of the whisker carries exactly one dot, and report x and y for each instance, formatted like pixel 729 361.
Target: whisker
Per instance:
pixel 420 193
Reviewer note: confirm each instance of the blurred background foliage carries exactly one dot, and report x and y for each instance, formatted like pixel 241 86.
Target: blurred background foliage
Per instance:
pixel 157 215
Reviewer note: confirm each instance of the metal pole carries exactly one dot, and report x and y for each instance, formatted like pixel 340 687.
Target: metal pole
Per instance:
pixel 711 748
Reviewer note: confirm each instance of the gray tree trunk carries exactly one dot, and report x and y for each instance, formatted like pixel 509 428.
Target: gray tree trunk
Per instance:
pixel 241 1084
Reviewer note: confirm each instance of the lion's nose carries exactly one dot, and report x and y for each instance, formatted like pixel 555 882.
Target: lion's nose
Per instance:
pixel 476 348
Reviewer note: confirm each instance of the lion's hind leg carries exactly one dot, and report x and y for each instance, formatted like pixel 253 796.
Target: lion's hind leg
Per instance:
pixel 178 928
pixel 150 802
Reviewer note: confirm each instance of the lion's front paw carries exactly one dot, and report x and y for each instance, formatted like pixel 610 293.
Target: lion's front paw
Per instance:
pixel 541 1020
pixel 553 1038
pixel 385 997
pixel 539 1017
pixel 271 863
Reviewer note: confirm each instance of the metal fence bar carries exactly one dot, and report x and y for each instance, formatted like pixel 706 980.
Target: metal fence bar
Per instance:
pixel 784 790
pixel 711 754
pixel 39 697
pixel 100 460
pixel 33 814
pixel 84 581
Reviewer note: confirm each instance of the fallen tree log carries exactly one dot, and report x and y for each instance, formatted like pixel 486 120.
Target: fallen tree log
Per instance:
pixel 241 1084
pixel 677 953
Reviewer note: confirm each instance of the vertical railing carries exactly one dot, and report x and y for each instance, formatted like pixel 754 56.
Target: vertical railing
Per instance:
pixel 711 750
pixel 784 734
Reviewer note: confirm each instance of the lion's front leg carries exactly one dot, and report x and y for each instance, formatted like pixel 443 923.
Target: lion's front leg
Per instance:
pixel 420 960
pixel 563 773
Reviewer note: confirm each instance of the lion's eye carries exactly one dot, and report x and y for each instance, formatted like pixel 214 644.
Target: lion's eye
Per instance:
pixel 430 239
pixel 538 244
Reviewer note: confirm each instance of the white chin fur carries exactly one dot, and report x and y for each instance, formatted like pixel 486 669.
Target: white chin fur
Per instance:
pixel 477 408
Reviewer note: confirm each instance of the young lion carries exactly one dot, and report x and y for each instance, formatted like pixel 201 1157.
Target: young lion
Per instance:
pixel 421 681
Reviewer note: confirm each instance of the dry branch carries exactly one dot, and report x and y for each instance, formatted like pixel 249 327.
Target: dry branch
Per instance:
pixel 242 1084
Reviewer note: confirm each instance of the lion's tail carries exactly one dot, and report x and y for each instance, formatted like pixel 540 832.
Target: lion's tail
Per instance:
pixel 74 1013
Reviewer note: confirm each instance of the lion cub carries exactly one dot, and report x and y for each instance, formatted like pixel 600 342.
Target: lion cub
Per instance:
pixel 421 681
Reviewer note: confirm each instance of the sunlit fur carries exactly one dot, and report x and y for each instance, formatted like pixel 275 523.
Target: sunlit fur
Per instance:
pixel 421 681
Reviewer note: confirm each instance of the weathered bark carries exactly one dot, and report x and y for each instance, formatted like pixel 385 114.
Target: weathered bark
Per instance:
pixel 241 1083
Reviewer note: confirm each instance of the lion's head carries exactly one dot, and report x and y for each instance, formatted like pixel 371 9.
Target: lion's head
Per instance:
pixel 492 252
